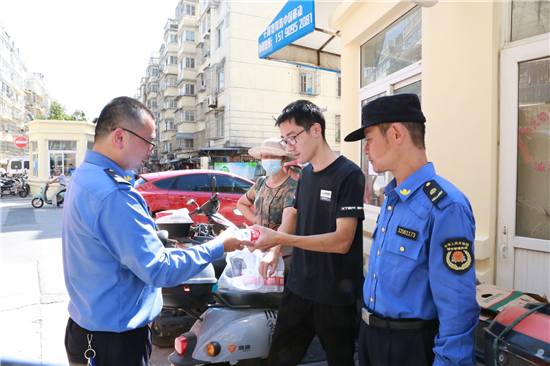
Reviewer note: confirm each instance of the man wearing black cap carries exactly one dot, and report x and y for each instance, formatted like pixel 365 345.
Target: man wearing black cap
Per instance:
pixel 420 291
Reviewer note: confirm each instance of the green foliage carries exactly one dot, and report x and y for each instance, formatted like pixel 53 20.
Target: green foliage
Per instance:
pixel 59 112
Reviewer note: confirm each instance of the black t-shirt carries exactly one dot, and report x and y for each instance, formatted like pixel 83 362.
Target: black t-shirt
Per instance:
pixel 321 198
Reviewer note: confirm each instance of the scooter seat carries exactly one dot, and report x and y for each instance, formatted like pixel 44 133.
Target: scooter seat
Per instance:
pixel 256 300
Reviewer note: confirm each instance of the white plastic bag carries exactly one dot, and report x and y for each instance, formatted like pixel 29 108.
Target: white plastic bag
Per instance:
pixel 241 273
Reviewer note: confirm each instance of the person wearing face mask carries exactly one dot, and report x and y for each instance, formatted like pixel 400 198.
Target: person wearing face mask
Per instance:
pixel 273 195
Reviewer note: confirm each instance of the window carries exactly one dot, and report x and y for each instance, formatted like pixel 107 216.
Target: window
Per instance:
pixel 172 38
pixel 220 35
pixel 393 49
pixel 189 62
pixel 187 116
pixel 169 125
pixel 173 60
pixel 155 72
pixel 193 182
pixel 337 128
pixel 154 88
pixel 389 65
pixel 189 36
pixel 219 125
pixel 34 150
pixel 529 18
pixel 229 184
pixel 152 104
pixel 189 9
pixel 168 147
pixel 172 81
pixel 339 87
pixel 308 82
pixel 60 154
pixel 185 143
pixel 189 89
pixel 162 184
pixel 221 79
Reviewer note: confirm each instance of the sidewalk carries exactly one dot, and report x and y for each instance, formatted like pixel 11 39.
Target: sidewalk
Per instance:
pixel 33 298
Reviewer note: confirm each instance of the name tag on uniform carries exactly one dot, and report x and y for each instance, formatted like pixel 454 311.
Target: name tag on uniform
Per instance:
pixel 407 233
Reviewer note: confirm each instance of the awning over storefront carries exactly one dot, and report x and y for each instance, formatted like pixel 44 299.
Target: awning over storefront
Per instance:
pixel 182 135
pixel 300 34
pixel 175 160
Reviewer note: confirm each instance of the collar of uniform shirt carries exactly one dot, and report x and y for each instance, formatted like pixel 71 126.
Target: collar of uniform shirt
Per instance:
pixel 413 182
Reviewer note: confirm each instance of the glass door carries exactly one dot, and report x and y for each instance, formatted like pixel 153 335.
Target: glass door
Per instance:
pixel 523 248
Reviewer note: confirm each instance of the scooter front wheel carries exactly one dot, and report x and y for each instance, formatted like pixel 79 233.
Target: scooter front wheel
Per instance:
pixel 37 202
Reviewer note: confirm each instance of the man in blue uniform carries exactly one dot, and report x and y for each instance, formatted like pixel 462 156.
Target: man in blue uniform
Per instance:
pixel 114 263
pixel 420 291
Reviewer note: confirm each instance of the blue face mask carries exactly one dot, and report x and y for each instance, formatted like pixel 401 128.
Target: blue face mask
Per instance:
pixel 271 166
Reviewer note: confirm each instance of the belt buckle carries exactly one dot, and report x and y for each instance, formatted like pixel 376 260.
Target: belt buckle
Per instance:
pixel 365 314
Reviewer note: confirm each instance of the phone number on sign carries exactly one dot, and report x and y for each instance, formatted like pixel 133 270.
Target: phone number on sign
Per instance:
pixel 294 27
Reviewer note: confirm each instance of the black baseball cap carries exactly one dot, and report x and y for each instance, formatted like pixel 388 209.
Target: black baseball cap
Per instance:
pixel 391 108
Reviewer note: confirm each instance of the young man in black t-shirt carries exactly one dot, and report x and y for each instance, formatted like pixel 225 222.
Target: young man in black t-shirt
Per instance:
pixel 326 272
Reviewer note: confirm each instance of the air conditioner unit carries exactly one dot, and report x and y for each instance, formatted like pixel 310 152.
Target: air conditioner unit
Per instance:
pixel 211 101
pixel 203 85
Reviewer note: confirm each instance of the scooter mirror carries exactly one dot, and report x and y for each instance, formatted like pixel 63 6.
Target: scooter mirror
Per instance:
pixel 237 212
pixel 192 202
pixel 214 185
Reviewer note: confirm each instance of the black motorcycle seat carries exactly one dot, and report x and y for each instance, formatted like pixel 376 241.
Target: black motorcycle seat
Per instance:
pixel 256 300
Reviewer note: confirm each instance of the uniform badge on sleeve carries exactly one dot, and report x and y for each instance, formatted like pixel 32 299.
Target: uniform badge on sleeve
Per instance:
pixel 458 255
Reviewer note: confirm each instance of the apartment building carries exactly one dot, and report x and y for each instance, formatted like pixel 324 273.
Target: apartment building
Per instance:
pixel 23 97
pixel 185 122
pixel 241 95
pixel 148 95
pixel 215 96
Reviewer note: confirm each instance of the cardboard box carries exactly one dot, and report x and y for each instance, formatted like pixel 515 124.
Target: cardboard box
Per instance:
pixel 495 299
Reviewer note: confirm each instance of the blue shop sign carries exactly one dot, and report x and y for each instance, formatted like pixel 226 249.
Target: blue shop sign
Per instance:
pixel 294 21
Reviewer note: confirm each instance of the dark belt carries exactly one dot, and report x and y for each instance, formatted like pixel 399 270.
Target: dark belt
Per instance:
pixel 397 324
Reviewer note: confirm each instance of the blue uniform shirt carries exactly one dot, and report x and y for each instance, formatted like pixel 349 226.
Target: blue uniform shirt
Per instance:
pixel 421 263
pixel 114 263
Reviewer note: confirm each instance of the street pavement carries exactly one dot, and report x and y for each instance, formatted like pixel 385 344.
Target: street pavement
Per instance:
pixel 33 298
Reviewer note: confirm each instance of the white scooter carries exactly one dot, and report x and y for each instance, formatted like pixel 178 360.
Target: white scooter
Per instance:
pixel 235 329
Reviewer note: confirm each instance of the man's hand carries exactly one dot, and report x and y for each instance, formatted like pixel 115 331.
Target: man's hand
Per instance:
pixel 267 240
pixel 270 260
pixel 230 241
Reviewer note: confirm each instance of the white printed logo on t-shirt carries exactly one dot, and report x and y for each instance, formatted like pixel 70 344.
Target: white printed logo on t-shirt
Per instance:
pixel 325 195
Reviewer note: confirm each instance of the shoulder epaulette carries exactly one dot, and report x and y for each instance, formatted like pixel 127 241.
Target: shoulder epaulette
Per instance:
pixel 117 178
pixel 434 191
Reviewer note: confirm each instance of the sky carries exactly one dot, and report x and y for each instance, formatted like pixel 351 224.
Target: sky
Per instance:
pixel 88 51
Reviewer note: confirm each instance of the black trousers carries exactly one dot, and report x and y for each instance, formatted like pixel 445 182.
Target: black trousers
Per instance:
pixel 385 347
pixel 299 320
pixel 133 347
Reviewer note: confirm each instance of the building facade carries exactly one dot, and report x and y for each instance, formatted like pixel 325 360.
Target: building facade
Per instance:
pixel 482 70
pixel 225 100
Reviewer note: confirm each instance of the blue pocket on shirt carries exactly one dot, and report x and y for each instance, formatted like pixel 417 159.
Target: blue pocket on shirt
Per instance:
pixel 400 260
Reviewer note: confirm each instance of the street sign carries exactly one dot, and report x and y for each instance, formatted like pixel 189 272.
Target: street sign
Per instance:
pixel 20 142
pixel 295 20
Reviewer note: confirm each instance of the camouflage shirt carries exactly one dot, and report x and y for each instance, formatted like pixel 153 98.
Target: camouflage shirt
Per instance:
pixel 269 203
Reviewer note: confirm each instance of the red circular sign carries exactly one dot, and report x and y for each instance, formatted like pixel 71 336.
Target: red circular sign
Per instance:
pixel 20 141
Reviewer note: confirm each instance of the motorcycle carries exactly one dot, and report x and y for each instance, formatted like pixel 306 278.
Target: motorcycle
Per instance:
pixel 13 186
pixel 210 325
pixel 41 198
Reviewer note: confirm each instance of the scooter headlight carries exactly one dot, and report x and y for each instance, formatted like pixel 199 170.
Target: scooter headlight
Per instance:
pixel 213 349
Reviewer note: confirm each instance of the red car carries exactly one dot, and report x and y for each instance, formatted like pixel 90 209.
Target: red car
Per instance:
pixel 172 189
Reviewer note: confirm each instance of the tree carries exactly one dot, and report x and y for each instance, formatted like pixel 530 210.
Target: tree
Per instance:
pixel 59 112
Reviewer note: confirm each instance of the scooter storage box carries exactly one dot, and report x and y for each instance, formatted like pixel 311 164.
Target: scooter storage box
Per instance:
pixel 527 343
pixel 176 222
pixel 196 292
